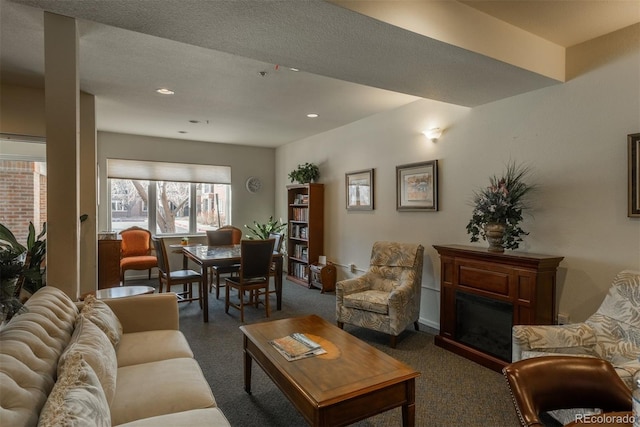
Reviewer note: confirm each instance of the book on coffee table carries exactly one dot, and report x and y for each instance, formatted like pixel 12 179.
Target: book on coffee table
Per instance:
pixel 297 346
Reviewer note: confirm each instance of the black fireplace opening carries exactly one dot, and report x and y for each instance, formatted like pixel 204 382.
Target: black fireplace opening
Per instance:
pixel 484 324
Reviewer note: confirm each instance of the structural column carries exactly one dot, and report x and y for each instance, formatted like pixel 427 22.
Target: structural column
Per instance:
pixel 62 120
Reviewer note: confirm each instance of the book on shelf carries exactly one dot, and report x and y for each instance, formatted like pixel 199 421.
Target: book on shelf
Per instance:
pixel 301 199
pixel 300 251
pixel 300 214
pixel 301 271
pixel 298 231
pixel 297 346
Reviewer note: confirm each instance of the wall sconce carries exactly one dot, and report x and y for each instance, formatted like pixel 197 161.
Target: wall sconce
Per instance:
pixel 433 134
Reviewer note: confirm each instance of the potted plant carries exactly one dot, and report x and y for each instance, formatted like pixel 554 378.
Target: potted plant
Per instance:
pixel 262 231
pixel 305 173
pixel 20 263
pixel 498 209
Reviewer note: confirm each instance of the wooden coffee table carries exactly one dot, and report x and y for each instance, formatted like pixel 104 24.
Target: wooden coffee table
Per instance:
pixel 351 382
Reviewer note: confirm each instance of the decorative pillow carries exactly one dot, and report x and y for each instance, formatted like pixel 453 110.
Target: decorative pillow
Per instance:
pixel 77 399
pixel 101 314
pixel 97 351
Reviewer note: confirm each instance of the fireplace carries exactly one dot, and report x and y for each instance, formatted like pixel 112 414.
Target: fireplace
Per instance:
pixel 484 324
pixel 482 294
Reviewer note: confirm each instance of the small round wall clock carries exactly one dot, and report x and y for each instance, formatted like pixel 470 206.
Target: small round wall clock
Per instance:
pixel 254 184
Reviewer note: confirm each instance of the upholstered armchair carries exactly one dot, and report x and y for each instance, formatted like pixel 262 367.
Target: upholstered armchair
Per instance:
pixel 612 333
pixel 387 297
pixel 136 251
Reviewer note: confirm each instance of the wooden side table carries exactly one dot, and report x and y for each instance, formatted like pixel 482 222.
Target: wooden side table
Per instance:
pixel 323 277
pixel 108 263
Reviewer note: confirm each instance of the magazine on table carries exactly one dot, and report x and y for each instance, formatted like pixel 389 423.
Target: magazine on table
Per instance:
pixel 297 346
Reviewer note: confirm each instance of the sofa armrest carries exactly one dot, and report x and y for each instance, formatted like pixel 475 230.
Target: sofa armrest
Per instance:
pixel 576 338
pixel 146 312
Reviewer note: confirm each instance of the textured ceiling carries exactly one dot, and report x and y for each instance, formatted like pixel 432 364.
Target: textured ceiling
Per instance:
pixel 212 52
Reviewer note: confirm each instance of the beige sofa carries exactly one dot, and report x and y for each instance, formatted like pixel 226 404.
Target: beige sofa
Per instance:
pixel 123 362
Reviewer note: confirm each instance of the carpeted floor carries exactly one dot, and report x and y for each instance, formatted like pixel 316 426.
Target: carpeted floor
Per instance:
pixel 451 391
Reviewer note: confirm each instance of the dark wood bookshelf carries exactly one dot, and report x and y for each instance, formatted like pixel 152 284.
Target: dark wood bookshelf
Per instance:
pixel 305 212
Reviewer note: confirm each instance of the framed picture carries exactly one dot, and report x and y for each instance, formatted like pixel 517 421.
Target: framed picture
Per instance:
pixel 417 186
pixel 359 190
pixel 634 175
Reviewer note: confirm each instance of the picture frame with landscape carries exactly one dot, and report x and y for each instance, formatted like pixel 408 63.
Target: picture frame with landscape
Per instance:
pixel 417 186
pixel 359 189
pixel 634 175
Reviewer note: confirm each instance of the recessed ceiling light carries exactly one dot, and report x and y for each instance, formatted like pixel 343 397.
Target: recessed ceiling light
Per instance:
pixel 165 91
pixel 294 69
pixel 313 115
pixel 182 131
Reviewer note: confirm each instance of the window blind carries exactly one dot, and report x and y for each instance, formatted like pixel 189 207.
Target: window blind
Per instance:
pixel 164 171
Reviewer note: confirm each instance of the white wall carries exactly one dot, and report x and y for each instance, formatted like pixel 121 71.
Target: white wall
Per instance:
pixel 574 137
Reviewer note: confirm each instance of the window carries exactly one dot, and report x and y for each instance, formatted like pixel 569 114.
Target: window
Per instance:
pixel 168 207
pixel 23 184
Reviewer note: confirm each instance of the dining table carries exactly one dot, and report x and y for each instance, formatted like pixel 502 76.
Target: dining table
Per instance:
pixel 207 256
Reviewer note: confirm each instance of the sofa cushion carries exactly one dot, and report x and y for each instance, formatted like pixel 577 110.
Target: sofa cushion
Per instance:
pixel 371 300
pixel 96 350
pixel 159 388
pixel 152 346
pixel 30 345
pixel 77 399
pixel 196 417
pixel 102 315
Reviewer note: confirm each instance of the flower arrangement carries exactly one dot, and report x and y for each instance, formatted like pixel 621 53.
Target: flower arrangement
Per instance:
pixel 502 203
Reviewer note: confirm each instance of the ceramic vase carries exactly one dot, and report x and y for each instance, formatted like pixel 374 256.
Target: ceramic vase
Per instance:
pixel 494 233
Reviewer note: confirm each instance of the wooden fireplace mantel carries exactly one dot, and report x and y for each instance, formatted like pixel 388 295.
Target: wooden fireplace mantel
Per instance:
pixel 527 281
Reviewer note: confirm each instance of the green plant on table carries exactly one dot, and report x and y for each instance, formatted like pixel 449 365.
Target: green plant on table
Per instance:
pixel 262 231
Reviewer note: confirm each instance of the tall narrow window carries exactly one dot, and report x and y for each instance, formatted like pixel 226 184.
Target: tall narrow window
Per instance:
pixel 23 184
pixel 128 204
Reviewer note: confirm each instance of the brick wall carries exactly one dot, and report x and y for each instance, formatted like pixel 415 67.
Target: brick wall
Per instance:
pixel 23 189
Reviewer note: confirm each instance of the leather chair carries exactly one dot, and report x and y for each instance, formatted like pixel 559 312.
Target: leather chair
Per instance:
pixel 135 251
pixel 255 263
pixel 387 297
pixel 220 237
pixel 546 383
pixel 186 278
pixel 611 333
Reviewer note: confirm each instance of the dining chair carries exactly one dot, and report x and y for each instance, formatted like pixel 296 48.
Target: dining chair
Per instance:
pixel 256 257
pixel 135 251
pixel 236 233
pixel 186 278
pixel 220 237
pixel 277 237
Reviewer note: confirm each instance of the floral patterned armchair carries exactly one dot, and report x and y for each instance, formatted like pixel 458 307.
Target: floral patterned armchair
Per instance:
pixel 387 297
pixel 612 333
